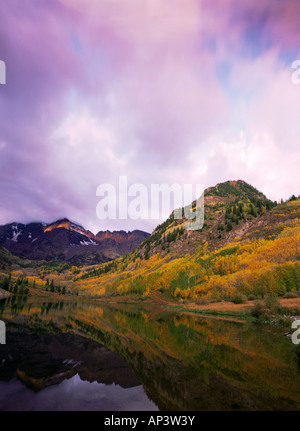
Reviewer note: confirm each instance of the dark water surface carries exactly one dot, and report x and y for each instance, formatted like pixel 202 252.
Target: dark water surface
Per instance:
pixel 90 356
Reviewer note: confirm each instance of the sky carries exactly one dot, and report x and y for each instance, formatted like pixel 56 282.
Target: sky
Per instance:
pixel 159 91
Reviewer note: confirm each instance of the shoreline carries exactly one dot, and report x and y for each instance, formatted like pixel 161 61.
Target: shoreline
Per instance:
pixel 221 309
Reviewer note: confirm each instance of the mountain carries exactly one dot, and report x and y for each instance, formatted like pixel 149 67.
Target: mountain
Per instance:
pixel 248 245
pixel 68 225
pixel 66 241
pixel 128 240
pixel 230 209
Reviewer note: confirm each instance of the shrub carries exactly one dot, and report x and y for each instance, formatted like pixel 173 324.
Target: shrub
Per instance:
pixel 272 303
pixel 239 298
pixel 202 301
pixel 291 295
pixel 266 308
pixel 258 310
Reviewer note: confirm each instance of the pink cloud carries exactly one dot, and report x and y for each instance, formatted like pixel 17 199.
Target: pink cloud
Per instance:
pixel 100 89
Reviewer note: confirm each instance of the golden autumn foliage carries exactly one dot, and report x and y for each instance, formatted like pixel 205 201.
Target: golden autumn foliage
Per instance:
pixel 264 261
pixel 259 267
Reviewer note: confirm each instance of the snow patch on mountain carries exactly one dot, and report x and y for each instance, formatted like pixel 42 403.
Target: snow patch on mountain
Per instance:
pixel 89 242
pixel 16 233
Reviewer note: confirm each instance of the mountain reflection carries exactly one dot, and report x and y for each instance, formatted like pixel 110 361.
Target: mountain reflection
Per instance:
pixel 183 362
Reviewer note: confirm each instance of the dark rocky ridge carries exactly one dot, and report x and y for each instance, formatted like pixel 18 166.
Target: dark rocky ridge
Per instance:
pixel 65 241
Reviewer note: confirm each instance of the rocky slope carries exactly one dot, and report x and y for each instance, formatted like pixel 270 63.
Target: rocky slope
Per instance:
pixel 67 241
pixel 247 245
pixel 231 209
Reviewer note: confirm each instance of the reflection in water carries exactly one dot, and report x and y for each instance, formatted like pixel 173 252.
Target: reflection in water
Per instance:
pixel 73 394
pixel 43 360
pixel 183 362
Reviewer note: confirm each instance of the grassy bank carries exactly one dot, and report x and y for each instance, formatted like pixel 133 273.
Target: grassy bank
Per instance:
pixel 270 309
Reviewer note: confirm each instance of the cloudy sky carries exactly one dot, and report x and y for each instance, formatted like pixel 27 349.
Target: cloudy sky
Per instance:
pixel 160 91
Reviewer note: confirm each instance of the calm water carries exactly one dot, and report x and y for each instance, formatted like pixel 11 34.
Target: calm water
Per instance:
pixel 87 356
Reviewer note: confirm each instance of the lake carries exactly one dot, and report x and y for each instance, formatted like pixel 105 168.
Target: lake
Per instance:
pixel 86 355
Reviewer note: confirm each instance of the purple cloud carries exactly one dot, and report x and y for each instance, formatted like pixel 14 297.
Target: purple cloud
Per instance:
pixel 200 92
